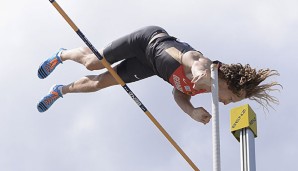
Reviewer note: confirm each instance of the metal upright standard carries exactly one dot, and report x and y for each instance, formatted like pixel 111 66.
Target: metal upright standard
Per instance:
pixel 244 128
pixel 215 117
pixel 122 83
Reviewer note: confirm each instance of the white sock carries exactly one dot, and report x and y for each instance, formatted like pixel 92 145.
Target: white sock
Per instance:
pixel 59 56
pixel 60 89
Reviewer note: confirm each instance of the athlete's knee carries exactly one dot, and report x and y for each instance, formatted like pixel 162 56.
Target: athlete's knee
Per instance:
pixel 105 80
pixel 91 61
pixel 92 65
pixel 85 50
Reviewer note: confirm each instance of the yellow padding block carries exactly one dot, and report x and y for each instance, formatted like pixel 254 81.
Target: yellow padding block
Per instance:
pixel 242 117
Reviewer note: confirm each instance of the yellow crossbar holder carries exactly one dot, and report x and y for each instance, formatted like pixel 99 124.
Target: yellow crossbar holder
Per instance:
pixel 243 117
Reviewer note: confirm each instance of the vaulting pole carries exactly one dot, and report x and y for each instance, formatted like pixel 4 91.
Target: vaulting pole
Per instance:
pixel 215 116
pixel 123 84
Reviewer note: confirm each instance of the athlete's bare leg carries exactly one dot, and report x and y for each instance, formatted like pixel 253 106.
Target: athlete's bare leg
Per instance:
pixel 86 84
pixel 90 83
pixel 84 56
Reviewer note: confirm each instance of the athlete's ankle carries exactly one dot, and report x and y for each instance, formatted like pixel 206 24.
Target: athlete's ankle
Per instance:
pixel 60 89
pixel 60 55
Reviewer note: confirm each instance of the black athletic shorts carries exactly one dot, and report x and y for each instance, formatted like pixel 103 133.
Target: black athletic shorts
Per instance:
pixel 140 59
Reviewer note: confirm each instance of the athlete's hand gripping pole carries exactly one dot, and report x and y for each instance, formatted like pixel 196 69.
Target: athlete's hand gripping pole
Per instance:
pixel 122 83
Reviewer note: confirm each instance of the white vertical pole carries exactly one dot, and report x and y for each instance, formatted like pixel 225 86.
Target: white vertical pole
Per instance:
pixel 250 138
pixel 242 151
pixel 247 147
pixel 215 118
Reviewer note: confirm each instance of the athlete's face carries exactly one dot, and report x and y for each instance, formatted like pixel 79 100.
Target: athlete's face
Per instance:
pixel 226 96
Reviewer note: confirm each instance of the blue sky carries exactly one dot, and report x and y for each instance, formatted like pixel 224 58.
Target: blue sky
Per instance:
pixel 106 130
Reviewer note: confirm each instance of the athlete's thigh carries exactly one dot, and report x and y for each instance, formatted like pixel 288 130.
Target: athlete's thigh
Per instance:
pixel 123 48
pixel 131 70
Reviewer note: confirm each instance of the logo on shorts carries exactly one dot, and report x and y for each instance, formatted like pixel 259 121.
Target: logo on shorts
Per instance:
pixel 137 77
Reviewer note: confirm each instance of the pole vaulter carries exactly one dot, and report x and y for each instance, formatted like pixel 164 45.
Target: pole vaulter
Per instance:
pixel 122 83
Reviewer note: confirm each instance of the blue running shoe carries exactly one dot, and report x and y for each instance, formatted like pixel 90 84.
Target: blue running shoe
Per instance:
pixel 49 99
pixel 48 66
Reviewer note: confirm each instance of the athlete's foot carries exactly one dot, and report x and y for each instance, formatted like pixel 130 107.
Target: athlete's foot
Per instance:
pixel 48 66
pixel 50 98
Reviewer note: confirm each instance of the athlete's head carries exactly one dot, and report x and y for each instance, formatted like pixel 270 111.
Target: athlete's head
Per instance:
pixel 245 81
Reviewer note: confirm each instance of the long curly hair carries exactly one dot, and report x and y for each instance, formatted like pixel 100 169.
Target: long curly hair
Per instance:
pixel 244 78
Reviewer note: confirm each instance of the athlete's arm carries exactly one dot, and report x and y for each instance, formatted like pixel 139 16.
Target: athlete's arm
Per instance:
pixel 183 100
pixel 199 68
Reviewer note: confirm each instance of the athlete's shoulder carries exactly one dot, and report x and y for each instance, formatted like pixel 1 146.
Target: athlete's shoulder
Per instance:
pixel 191 57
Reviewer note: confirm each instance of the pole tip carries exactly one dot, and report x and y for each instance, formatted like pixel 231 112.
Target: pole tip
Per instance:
pixel 215 65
